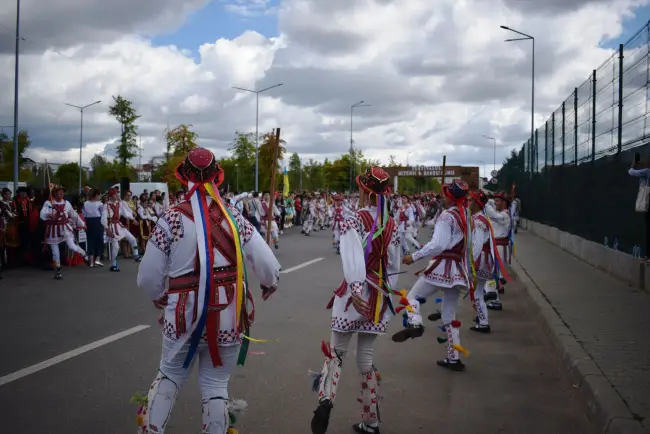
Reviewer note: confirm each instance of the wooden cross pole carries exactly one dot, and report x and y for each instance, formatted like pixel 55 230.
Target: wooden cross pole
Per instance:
pixel 274 169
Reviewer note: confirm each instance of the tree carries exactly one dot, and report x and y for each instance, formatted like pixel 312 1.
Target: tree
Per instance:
pixel 180 140
pixel 7 152
pixel 67 175
pixel 126 115
pixel 242 151
pixel 392 161
pixel 294 171
pixel 266 155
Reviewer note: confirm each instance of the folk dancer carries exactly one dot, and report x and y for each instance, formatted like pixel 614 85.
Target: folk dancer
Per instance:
pixel 322 211
pixel 337 218
pixel 60 221
pixel 406 217
pixel 370 253
pixel 115 230
pixel 202 245
pixel 312 216
pixel 487 261
pixel 7 214
pixel 448 271
pixel 497 210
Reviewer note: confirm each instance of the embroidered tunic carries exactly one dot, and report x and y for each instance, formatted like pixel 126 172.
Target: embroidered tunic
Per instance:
pixel 446 247
pixel 361 276
pixel 482 247
pixel 60 221
pixel 501 227
pixel 111 215
pixel 172 252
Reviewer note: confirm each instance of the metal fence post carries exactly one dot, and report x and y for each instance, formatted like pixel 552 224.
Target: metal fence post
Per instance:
pixel 553 140
pixel 575 125
pixel 545 144
pixel 563 130
pixel 593 117
pixel 537 150
pixel 620 98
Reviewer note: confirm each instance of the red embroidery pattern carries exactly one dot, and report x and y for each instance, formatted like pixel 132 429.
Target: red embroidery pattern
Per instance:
pixel 160 239
pixel 352 223
pixel 174 220
pixel 396 240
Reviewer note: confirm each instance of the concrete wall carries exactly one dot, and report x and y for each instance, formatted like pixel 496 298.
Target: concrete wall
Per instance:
pixel 622 265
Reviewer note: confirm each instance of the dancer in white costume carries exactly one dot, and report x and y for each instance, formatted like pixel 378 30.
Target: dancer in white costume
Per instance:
pixel 312 215
pixel 201 245
pixel 266 204
pixel 60 222
pixel 487 261
pixel 362 302
pixel 448 271
pixel 115 230
pixel 338 216
pixel 497 209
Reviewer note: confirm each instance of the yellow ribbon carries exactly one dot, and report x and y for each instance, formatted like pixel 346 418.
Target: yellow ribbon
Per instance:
pixel 238 250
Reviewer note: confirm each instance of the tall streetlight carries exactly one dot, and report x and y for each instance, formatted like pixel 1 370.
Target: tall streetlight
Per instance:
pixel 495 149
pixel 532 98
pixel 353 159
pixel 81 135
pixel 16 177
pixel 257 120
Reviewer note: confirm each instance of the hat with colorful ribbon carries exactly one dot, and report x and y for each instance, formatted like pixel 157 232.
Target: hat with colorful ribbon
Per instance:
pixel 502 195
pixel 479 197
pixel 456 191
pixel 200 167
pixel 375 180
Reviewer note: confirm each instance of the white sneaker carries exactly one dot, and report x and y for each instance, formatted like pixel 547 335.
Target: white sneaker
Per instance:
pixel 99 264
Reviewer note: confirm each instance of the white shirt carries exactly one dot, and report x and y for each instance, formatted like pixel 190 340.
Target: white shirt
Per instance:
pixel 93 209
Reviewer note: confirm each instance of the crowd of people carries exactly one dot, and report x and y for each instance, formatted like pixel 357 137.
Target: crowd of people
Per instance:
pixel 193 247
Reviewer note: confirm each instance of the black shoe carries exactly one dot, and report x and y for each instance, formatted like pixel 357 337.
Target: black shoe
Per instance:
pixel 480 328
pixel 408 333
pixel 58 275
pixel 435 316
pixel 114 269
pixel 489 296
pixel 456 365
pixel 338 251
pixel 138 258
pixel 494 306
pixel 362 428
pixel 321 419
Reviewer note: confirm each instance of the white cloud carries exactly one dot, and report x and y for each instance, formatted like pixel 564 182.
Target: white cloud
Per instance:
pixel 436 73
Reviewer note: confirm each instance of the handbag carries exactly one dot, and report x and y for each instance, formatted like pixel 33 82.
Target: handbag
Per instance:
pixel 643 196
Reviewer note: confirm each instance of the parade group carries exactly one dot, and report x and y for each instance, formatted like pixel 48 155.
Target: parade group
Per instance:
pixel 197 247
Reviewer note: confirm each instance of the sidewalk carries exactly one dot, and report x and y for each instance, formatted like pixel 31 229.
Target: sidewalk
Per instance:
pixel 601 327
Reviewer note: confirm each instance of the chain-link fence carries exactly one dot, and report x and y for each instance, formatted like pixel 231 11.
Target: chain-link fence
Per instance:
pixel 575 167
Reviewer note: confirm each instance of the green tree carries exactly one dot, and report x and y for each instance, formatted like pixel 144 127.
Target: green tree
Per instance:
pixel 67 175
pixel 294 171
pixel 180 140
pixel 242 151
pixel 126 115
pixel 266 151
pixel 7 151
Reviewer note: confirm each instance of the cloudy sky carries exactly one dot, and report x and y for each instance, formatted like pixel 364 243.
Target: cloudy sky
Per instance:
pixel 436 73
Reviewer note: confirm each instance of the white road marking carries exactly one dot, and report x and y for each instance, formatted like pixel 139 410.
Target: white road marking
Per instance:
pixel 299 266
pixel 70 354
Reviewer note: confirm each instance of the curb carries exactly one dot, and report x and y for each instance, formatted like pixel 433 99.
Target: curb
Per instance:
pixel 606 408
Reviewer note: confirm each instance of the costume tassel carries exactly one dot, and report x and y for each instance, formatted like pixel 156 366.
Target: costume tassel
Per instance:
pixel 315 379
pixel 441 340
pixel 325 348
pixel 460 349
pixel 456 324
pixel 438 300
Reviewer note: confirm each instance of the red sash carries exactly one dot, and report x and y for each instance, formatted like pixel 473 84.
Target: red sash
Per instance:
pixel 451 256
pixel 224 242
pixel 55 227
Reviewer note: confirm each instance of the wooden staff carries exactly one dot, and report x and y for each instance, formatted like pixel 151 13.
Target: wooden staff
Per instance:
pixel 444 169
pixel 274 169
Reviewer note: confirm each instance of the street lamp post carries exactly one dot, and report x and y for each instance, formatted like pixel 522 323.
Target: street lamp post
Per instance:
pixel 81 135
pixel 495 149
pixel 352 156
pixel 257 119
pixel 16 174
pixel 532 98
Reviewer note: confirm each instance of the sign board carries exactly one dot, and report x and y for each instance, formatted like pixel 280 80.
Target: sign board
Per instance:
pixel 494 181
pixel 431 171
pixel 494 173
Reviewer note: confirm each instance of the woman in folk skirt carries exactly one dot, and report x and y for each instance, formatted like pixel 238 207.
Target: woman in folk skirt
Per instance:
pixel 92 212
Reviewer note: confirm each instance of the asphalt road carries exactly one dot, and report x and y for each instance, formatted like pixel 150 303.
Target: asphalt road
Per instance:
pixel 514 382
